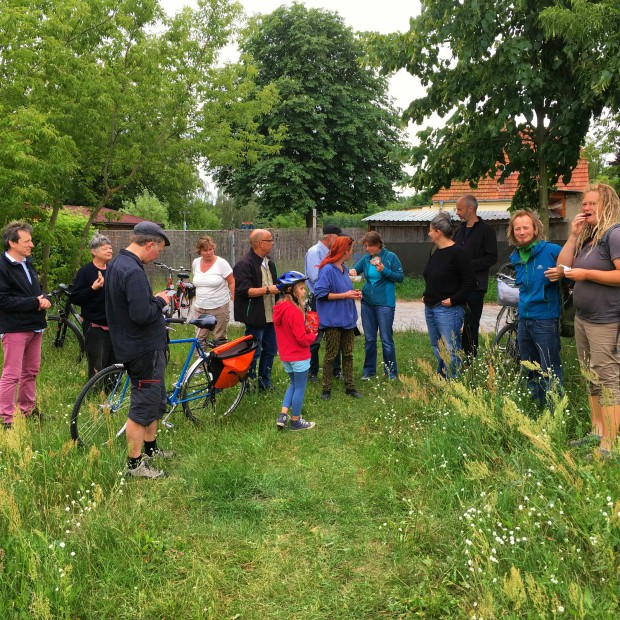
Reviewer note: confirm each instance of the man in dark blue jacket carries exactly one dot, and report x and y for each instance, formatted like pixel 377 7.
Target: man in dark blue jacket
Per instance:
pixel 22 321
pixel 255 295
pixel 138 334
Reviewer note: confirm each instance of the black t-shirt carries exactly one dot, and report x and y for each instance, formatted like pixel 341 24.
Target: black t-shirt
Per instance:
pixel 448 274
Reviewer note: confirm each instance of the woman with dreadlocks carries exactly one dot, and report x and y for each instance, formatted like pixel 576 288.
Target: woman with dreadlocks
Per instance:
pixel 591 258
pixel 294 339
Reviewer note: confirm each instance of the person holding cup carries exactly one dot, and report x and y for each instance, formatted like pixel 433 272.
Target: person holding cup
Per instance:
pixel 382 269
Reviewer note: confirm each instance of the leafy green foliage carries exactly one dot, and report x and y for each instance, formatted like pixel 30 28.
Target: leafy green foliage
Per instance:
pixel 513 98
pixel 597 26
pixel 341 142
pixel 148 206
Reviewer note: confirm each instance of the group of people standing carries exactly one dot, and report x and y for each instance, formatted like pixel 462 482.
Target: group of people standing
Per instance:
pixel 123 320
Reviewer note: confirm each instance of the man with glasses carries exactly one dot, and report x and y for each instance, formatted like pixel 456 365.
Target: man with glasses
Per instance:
pixel 255 295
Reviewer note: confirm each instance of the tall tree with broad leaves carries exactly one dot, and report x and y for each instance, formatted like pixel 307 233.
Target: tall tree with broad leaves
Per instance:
pixel 513 98
pixel 342 144
pixel 107 97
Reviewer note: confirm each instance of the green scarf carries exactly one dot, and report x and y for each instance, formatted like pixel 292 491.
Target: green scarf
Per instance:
pixel 526 252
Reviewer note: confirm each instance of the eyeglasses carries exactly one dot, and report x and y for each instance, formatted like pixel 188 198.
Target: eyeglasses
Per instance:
pixel 267 240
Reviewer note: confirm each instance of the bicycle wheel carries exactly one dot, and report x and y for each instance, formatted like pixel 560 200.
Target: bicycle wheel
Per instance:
pixel 184 304
pixel 63 338
pixel 505 350
pixel 507 269
pixel 202 402
pixel 100 411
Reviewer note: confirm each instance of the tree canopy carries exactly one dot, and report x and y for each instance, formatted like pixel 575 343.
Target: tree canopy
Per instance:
pixel 513 98
pixel 342 141
pixel 100 99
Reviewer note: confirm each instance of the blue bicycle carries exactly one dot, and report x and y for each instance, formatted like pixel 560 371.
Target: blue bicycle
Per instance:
pixel 210 386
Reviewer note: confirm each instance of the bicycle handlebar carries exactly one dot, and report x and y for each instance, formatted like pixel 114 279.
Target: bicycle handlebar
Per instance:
pixel 164 266
pixel 179 320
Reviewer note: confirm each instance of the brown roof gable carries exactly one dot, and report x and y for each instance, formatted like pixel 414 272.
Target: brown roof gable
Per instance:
pixel 490 189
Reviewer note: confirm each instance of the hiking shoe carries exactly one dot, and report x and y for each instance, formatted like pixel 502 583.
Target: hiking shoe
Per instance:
pixel 282 420
pixel 354 394
pixel 144 470
pixel 301 425
pixel 590 438
pixel 326 395
pixel 159 454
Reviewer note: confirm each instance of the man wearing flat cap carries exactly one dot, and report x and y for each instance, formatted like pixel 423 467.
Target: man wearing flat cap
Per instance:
pixel 314 256
pixel 138 334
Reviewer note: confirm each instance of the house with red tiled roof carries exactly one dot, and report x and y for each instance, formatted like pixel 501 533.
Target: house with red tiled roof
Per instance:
pixel 108 218
pixel 495 196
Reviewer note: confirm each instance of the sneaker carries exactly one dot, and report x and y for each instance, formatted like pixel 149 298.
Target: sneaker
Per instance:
pixel 7 426
pixel 337 375
pixel 301 425
pixel 354 394
pixel 144 470
pixel 159 454
pixel 313 379
pixel 368 377
pixel 590 438
pixel 326 395
pixel 282 420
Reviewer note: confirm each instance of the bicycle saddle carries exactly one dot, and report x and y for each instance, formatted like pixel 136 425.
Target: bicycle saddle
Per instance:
pixel 204 321
pixel 183 276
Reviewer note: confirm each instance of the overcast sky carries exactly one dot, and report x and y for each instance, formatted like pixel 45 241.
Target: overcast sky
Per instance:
pixel 383 16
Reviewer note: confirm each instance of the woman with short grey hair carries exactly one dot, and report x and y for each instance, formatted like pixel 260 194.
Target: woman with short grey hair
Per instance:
pixel 88 292
pixel 449 276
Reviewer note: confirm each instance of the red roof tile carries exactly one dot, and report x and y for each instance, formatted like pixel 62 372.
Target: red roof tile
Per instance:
pixel 490 189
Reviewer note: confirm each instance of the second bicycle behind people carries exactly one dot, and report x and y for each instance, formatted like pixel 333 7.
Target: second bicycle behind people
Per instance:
pixel 88 292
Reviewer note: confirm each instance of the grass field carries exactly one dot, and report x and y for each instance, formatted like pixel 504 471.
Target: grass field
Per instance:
pixel 423 500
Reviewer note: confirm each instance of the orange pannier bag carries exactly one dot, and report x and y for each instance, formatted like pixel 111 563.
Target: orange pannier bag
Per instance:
pixel 230 362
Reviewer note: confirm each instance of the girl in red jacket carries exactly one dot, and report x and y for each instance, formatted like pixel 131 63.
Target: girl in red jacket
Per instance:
pixel 294 340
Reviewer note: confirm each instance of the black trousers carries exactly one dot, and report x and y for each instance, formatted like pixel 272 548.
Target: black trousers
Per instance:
pixel 471 323
pixel 99 351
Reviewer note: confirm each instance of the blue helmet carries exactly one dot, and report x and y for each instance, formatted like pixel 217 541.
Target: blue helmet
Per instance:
pixel 287 280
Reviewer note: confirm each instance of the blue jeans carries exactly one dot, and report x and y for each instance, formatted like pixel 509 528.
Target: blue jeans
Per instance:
pixel 263 356
pixel 539 341
pixel 445 324
pixel 379 318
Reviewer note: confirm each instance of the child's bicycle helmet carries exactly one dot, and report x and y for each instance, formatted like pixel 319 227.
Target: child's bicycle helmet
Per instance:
pixel 287 280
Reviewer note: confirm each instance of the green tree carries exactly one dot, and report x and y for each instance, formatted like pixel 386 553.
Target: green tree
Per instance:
pixel 513 99
pixel 111 97
pixel 595 24
pixel 341 147
pixel 148 206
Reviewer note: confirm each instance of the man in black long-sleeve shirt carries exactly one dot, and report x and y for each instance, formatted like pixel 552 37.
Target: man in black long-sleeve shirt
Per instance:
pixel 138 334
pixel 479 242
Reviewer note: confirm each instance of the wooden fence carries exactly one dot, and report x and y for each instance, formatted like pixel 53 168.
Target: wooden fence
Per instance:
pixel 289 250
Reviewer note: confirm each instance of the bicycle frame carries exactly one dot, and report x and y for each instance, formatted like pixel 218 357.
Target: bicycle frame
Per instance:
pixel 173 397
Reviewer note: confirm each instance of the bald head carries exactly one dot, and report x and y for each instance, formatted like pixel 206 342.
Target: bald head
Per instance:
pixel 466 208
pixel 261 241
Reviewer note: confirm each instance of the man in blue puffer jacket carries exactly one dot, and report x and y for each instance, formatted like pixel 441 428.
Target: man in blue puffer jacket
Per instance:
pixel 540 301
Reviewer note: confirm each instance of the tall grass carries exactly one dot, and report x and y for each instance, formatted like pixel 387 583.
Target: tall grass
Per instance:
pixel 425 499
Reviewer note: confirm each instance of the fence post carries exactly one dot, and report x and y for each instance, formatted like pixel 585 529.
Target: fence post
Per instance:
pixel 233 249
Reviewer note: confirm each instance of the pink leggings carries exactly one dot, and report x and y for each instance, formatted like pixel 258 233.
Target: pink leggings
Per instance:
pixel 22 360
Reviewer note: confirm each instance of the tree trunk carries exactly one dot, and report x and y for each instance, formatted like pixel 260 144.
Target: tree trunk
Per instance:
pixel 45 257
pixel 543 177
